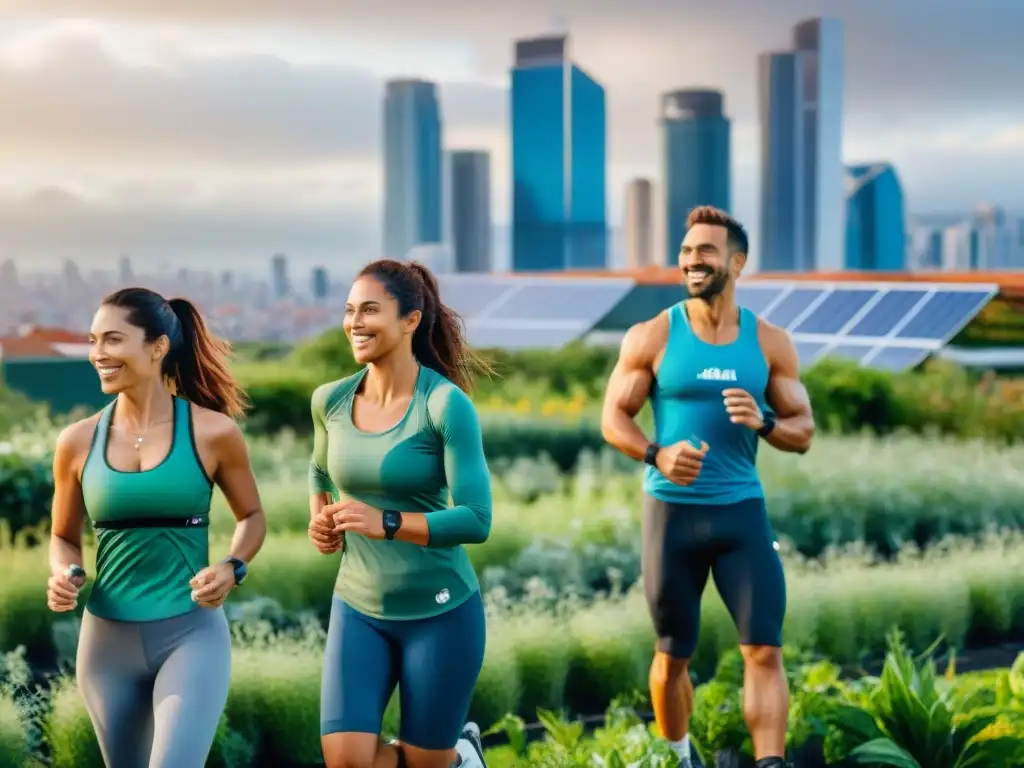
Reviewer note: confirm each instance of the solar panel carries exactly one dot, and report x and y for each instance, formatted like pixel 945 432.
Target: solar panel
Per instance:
pixel 897 358
pixel 470 295
pixel 838 309
pixel 756 298
pixel 792 306
pixel 807 351
pixel 852 352
pixel 505 336
pixel 945 313
pixel 884 316
pixel 561 300
pixel 839 320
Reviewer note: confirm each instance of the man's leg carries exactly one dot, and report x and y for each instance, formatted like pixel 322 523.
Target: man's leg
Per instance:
pixel 753 586
pixel 765 699
pixel 675 571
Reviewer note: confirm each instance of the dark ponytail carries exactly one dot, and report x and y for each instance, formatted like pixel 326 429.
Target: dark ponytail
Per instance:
pixel 440 339
pixel 197 363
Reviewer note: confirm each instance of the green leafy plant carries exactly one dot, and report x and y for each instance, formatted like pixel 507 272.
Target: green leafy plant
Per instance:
pixel 623 741
pixel 911 718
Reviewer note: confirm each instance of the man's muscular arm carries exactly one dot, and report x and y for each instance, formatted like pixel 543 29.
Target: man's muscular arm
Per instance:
pixel 629 387
pixel 786 394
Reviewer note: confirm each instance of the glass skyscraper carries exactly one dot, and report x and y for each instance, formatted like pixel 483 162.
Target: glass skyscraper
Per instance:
pixel 801 105
pixel 413 184
pixel 558 161
pixel 876 235
pixel 695 151
pixel 471 210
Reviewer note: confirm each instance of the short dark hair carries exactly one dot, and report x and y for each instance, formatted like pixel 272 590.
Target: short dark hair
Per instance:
pixel 716 217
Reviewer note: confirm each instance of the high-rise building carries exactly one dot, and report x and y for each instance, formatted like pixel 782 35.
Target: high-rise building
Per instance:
pixel 558 160
pixel 279 283
pixel 125 274
pixel 695 158
pixel 639 224
pixel 470 174
pixel 876 235
pixel 413 194
pixel 926 248
pixel 801 105
pixel 321 284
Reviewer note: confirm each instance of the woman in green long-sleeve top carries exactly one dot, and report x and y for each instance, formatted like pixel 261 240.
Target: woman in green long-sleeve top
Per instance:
pixel 391 442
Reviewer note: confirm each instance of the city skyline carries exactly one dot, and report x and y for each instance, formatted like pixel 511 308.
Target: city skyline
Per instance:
pixel 296 166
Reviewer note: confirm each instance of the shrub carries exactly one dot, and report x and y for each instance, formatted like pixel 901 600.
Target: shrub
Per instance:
pixel 14 741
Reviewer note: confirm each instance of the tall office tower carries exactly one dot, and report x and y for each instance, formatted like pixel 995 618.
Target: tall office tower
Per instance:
pixel 321 284
pixel 470 174
pixel 279 284
pixel 639 224
pixel 800 94
pixel 926 248
pixel 996 236
pixel 876 234
pixel 559 217
pixel 9 276
pixel 125 274
pixel 413 189
pixel 695 158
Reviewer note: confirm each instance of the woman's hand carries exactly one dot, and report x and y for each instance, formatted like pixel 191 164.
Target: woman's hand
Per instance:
pixel 210 587
pixel 321 532
pixel 62 591
pixel 356 517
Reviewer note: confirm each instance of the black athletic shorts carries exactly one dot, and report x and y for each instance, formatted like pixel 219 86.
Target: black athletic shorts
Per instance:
pixel 683 543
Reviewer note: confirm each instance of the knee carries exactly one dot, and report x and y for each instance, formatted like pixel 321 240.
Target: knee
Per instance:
pixel 347 761
pixel 337 755
pixel 762 657
pixel 668 670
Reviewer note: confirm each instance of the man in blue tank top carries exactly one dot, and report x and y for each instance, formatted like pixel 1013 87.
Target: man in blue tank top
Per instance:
pixel 720 380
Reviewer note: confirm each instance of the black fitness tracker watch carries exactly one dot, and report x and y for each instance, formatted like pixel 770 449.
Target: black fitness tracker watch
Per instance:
pixel 392 522
pixel 651 456
pixel 769 423
pixel 240 568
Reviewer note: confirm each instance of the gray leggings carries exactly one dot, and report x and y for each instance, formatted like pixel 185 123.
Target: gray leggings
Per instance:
pixel 155 690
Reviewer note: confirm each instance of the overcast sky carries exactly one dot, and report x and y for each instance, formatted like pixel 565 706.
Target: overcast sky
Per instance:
pixel 221 132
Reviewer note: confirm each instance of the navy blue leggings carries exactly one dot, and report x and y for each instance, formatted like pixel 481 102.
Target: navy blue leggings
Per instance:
pixel 434 662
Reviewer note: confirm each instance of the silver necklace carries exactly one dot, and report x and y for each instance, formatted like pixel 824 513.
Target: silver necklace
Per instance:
pixel 139 438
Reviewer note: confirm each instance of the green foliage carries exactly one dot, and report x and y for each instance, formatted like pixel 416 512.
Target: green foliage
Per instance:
pixel 15 748
pixel 911 718
pixel 940 398
pixel 15 409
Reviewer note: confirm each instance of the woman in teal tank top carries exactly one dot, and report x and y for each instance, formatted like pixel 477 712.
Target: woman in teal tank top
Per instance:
pixel 393 441
pixel 154 655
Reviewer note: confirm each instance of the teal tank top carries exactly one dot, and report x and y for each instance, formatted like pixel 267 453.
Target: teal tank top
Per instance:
pixel 151 526
pixel 688 404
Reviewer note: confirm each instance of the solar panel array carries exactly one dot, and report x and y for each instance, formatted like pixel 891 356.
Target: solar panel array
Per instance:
pixel 518 313
pixel 892 326
pixel 883 325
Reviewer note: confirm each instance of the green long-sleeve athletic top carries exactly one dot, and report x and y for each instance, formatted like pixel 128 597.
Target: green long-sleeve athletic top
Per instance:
pixel 410 467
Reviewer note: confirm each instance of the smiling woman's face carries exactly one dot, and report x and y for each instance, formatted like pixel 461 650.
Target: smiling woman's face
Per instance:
pixel 119 351
pixel 373 324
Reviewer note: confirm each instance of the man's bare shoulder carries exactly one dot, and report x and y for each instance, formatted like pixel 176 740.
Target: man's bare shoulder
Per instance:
pixel 644 340
pixel 775 341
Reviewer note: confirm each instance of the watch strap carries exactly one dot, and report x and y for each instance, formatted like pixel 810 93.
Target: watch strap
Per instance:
pixel 651 455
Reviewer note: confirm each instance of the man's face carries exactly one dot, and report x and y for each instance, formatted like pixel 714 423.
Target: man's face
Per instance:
pixel 706 262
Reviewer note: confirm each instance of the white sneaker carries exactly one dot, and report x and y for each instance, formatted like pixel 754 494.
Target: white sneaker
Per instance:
pixel 470 747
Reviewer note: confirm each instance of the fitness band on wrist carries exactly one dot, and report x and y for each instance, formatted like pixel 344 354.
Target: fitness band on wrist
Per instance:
pixel 651 455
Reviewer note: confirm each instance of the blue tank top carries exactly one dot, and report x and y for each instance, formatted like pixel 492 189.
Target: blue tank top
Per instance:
pixel 688 404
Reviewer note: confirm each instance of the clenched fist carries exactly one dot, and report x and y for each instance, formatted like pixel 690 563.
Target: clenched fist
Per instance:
pixel 681 462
